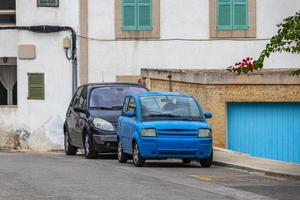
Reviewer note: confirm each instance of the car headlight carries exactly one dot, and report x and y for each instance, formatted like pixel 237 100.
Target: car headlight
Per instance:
pixel 148 133
pixel 103 124
pixel 204 133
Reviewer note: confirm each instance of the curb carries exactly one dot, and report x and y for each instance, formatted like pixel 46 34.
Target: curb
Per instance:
pixel 249 169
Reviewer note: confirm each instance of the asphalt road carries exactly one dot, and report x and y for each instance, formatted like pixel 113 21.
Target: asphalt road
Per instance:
pixel 56 176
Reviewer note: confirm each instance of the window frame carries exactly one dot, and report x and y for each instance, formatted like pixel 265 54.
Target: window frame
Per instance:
pixel 83 95
pixel 121 34
pixel 214 33
pixel 76 97
pixel 39 4
pixel 232 15
pixel 137 27
pixel 126 102
pixel 30 97
pixel 126 106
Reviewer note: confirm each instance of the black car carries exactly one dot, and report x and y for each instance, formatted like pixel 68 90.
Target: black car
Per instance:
pixel 92 116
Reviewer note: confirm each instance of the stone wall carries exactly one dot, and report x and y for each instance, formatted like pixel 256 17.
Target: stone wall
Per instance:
pixel 214 97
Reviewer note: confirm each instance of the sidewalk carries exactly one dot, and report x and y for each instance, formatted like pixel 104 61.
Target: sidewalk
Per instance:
pixel 228 158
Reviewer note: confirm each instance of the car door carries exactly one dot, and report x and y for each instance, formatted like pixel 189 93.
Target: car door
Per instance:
pixel 71 116
pixel 80 118
pixel 130 125
pixel 121 122
pixel 123 126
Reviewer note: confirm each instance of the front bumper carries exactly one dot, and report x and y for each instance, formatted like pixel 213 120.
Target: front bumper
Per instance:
pixel 105 141
pixel 193 148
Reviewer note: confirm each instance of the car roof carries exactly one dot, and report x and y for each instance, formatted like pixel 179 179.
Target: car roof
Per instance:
pixel 113 84
pixel 143 94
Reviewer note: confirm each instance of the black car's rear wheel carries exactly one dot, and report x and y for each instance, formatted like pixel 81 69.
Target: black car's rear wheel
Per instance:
pixel 69 148
pixel 206 163
pixel 138 159
pixel 89 150
pixel 122 157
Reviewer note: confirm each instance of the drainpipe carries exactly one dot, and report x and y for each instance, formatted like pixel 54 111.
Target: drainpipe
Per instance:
pixel 54 29
pixel 170 82
pixel 74 76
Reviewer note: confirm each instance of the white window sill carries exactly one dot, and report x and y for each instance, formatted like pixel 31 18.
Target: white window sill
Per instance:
pixel 8 106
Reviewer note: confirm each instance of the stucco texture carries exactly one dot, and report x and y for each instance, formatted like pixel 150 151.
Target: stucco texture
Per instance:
pixel 214 98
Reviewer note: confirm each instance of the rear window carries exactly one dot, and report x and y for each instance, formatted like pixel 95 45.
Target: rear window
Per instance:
pixel 108 97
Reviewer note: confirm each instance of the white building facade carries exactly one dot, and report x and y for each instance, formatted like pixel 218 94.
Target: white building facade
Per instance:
pixel 118 38
pixel 35 119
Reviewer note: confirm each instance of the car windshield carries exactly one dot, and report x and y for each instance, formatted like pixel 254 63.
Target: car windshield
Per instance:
pixel 170 108
pixel 112 98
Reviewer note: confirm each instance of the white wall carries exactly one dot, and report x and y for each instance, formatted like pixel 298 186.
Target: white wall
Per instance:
pixel 43 119
pixel 180 19
pixel 8 43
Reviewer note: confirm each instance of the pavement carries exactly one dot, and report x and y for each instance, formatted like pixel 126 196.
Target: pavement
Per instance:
pixel 55 176
pixel 228 158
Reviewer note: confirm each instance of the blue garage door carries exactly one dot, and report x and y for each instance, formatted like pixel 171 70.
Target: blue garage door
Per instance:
pixel 268 130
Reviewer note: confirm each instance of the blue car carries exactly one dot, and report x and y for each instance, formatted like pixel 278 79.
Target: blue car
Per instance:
pixel 161 125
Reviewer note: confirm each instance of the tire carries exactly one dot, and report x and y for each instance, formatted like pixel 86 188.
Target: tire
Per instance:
pixel 69 148
pixel 89 150
pixel 138 160
pixel 186 161
pixel 122 157
pixel 206 163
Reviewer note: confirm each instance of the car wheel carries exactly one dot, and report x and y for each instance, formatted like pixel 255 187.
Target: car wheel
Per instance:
pixel 69 148
pixel 89 150
pixel 206 163
pixel 138 160
pixel 186 161
pixel 122 157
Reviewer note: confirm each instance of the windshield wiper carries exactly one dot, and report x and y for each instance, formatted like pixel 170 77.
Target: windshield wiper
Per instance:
pixel 117 107
pixel 103 108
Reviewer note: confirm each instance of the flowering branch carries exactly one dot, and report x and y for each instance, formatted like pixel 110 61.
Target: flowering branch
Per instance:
pixel 287 39
pixel 245 66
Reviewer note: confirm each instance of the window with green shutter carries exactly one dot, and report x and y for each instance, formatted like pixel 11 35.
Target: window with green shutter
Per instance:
pixel 47 3
pixel 36 86
pixel 232 14
pixel 137 15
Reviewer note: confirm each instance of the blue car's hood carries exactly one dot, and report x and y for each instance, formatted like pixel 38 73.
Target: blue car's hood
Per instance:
pixel 175 124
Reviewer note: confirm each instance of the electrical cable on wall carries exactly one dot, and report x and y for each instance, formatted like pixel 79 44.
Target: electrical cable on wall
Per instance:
pixel 55 29
pixel 174 39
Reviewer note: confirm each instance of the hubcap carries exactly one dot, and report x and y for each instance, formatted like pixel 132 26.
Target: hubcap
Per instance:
pixel 119 150
pixel 87 145
pixel 135 154
pixel 67 141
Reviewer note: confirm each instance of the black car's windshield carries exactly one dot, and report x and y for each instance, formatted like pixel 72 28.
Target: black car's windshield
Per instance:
pixel 112 98
pixel 170 107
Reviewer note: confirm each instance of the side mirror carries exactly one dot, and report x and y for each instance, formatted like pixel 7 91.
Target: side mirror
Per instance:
pixel 208 115
pixel 130 114
pixel 79 110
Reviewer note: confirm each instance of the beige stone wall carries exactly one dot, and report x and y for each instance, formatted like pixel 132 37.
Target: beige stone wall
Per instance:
pixel 214 98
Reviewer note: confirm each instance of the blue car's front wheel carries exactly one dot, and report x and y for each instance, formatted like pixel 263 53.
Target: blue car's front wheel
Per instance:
pixel 138 159
pixel 122 157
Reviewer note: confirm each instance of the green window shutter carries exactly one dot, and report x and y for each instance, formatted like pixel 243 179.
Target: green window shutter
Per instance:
pixel 36 86
pixel 144 15
pixel 129 15
pixel 224 14
pixel 240 14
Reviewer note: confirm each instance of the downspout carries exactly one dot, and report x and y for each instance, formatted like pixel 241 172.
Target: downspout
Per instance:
pixel 54 29
pixel 170 82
